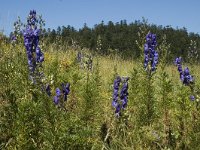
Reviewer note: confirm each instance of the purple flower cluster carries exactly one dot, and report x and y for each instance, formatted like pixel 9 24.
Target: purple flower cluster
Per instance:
pixel 31 41
pixel 65 92
pixel 123 95
pixel 57 97
pixel 115 103
pixel 150 54
pixel 185 76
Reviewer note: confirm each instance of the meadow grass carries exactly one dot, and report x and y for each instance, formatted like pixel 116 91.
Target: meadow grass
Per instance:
pixel 30 120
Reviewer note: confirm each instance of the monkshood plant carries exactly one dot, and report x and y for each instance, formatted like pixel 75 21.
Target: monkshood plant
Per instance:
pixel 118 124
pixel 31 42
pixel 185 106
pixel 150 65
pixel 187 79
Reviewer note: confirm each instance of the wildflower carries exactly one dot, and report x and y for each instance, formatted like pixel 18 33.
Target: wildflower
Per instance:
pixel 58 92
pixel 115 92
pixel 32 18
pixel 178 61
pixel 150 54
pixel 192 98
pixel 31 42
pixel 39 55
pixel 66 90
pixel 56 100
pixel 63 94
pixel 185 76
pixel 57 97
pixel 124 93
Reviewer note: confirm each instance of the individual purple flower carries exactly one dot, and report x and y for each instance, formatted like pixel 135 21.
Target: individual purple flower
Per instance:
pixel 178 61
pixel 48 90
pixel 150 54
pixel 32 18
pixel 66 90
pixel 62 94
pixel 58 92
pixel 188 79
pixel 39 55
pixel 57 97
pixel 192 98
pixel 56 100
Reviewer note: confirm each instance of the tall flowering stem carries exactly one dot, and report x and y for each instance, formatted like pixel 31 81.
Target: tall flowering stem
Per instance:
pixel 188 80
pixel 31 41
pixel 185 76
pixel 150 66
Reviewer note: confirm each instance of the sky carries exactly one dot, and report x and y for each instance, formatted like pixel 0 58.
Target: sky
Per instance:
pixel 176 13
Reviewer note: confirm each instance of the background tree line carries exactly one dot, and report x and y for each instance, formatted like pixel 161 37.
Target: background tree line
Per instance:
pixel 120 37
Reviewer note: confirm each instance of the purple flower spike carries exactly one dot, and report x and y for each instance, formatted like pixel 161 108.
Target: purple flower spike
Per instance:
pixel 150 54
pixel 31 42
pixel 178 61
pixel 56 100
pixel 187 79
pixel 123 95
pixel 185 76
pixel 58 92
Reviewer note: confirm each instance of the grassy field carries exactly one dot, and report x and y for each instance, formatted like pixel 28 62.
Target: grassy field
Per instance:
pixel 159 113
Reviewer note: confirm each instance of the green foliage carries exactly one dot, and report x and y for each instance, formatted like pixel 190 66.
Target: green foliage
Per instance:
pixel 159 114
